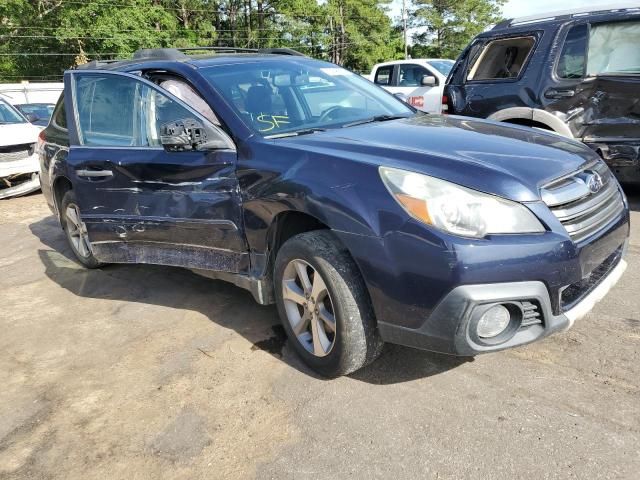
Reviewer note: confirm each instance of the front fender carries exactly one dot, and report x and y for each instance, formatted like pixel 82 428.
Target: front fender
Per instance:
pixel 345 196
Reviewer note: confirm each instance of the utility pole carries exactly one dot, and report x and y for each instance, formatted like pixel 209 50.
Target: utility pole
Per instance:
pixel 404 28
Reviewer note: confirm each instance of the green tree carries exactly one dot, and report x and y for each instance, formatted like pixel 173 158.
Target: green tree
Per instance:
pixel 447 26
pixel 361 33
pixel 42 38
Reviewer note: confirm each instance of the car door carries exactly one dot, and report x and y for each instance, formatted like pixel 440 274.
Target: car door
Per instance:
pixel 408 83
pixel 142 202
pixel 596 83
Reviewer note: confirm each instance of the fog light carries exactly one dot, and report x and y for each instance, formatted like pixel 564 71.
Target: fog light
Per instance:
pixel 493 322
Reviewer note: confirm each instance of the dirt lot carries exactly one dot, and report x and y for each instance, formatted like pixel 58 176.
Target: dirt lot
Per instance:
pixel 143 372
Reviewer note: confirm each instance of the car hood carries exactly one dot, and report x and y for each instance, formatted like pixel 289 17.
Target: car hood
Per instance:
pixel 18 133
pixel 510 161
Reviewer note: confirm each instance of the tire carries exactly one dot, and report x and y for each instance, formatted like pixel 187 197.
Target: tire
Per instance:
pixel 76 231
pixel 335 348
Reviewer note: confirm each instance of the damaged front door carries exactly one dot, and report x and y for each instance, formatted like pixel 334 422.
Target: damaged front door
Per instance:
pixel 143 198
pixel 598 80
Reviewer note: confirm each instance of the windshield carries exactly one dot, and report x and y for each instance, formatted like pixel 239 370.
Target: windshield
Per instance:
pixel 613 49
pixel 277 96
pixel 42 110
pixel 443 66
pixel 8 114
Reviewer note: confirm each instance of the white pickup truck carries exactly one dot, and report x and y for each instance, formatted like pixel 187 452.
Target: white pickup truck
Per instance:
pixel 419 81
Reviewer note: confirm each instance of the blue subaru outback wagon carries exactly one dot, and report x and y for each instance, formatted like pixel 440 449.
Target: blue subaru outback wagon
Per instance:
pixel 364 220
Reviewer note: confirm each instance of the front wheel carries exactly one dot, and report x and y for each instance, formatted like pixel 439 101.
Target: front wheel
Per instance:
pixel 324 305
pixel 76 231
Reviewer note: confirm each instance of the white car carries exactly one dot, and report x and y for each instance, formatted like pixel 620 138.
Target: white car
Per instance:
pixel 19 164
pixel 419 81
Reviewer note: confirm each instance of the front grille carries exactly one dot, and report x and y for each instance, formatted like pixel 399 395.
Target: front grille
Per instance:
pixel 571 295
pixel 14 153
pixel 582 211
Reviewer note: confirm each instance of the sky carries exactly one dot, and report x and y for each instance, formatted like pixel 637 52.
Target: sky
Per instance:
pixel 523 8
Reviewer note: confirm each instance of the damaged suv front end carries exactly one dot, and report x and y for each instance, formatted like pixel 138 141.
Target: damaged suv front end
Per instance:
pixel 19 164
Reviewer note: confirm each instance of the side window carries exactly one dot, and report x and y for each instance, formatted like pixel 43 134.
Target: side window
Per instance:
pixel 60 114
pixel 573 58
pixel 118 111
pixel 411 75
pixel 502 59
pixel 613 49
pixel 384 75
pixel 188 95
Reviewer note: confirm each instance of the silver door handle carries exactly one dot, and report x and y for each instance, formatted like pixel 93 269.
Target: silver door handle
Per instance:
pixel 94 173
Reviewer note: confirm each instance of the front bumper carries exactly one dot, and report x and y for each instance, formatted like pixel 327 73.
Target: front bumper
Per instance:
pixel 19 177
pixel 424 285
pixel 449 329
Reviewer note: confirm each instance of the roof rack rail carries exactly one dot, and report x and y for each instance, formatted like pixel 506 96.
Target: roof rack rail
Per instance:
pixel 180 53
pixel 619 7
pixel 95 64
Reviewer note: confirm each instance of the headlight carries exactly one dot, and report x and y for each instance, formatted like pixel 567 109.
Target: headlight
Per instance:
pixel 457 209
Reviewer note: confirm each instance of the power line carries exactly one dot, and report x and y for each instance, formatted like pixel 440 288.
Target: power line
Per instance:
pixel 86 54
pixel 118 38
pixel 292 14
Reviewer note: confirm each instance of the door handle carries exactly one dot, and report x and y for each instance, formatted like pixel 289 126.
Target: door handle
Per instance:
pixel 94 173
pixel 553 93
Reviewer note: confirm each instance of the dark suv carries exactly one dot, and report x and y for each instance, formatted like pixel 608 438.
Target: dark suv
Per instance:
pixel 363 219
pixel 575 73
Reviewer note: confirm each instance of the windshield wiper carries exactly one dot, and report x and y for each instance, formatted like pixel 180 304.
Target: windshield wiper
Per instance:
pixel 295 133
pixel 375 118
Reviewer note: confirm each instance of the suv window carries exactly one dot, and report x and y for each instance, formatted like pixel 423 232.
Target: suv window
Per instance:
pixel 411 75
pixel 122 112
pixel 502 59
pixel 613 49
pixel 572 61
pixel 383 75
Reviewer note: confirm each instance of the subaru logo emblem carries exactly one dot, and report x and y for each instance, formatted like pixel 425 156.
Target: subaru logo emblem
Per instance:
pixel 594 182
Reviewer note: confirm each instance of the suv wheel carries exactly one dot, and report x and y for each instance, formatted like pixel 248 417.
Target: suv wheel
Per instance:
pixel 324 305
pixel 76 231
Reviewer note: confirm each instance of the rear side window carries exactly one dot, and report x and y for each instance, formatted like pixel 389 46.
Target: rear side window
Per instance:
pixel 383 75
pixel 502 59
pixel 60 114
pixel 573 58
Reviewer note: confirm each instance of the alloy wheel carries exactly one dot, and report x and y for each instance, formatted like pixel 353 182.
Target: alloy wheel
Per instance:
pixel 309 307
pixel 77 231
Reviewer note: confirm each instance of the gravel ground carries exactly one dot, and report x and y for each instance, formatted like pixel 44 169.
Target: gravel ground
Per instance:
pixel 145 372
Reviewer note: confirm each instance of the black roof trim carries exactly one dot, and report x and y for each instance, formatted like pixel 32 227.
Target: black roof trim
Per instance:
pixel 566 15
pixel 179 55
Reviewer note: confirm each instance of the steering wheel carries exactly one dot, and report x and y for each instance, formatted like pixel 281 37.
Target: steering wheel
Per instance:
pixel 327 114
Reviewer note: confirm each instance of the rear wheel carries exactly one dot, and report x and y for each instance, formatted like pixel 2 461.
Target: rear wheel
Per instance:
pixel 324 305
pixel 76 231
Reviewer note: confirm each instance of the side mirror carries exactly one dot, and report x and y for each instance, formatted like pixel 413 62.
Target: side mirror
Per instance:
pixel 190 134
pixel 429 81
pixel 32 117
